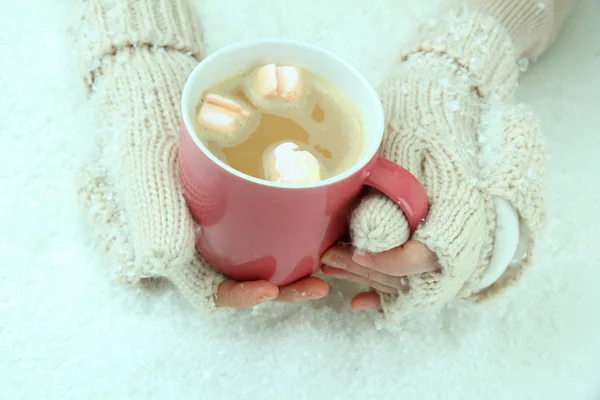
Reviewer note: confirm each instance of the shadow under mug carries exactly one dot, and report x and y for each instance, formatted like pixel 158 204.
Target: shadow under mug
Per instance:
pixel 251 229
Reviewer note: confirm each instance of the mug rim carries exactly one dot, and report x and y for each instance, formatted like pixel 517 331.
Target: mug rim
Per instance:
pixel 368 155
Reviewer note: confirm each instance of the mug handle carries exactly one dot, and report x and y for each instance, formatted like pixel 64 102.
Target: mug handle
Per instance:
pixel 402 187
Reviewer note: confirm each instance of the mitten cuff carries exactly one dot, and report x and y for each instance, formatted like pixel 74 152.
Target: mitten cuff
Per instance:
pixel 533 24
pixel 527 21
pixel 107 25
pixel 476 42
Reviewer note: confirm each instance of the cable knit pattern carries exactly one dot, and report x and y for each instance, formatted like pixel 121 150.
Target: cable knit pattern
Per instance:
pixel 136 56
pixel 448 124
pixel 518 177
pixel 431 111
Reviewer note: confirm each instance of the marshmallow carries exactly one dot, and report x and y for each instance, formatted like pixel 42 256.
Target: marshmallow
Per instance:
pixel 225 119
pixel 284 82
pixel 286 163
pixel 227 104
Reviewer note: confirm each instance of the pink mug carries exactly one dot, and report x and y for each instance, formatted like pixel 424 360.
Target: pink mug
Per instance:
pixel 251 229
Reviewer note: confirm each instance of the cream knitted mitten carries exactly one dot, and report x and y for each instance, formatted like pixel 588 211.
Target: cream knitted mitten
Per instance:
pixel 136 55
pixel 448 125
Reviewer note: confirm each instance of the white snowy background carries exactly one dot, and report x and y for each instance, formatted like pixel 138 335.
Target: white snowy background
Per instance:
pixel 68 332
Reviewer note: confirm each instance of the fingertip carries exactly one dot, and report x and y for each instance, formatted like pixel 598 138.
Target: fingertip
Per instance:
pixel 245 294
pixel 330 271
pixel 318 287
pixel 310 288
pixel 366 301
pixel 264 289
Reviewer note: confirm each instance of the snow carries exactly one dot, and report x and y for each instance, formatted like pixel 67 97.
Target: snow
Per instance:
pixel 67 331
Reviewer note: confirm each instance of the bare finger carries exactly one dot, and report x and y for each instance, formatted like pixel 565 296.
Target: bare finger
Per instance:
pixel 245 294
pixel 410 259
pixel 341 258
pixel 341 274
pixel 306 289
pixel 366 301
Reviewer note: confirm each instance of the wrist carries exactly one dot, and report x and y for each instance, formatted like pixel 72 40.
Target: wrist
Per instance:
pixel 477 43
pixel 527 22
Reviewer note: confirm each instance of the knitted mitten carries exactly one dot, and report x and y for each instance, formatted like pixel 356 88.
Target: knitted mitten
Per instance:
pixel 136 55
pixel 448 125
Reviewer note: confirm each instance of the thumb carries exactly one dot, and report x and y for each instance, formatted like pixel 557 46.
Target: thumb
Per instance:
pixel 378 224
pixel 197 281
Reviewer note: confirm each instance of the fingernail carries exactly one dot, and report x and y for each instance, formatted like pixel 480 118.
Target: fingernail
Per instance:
pixel 364 259
pixel 320 294
pixel 327 256
pixel 331 259
pixel 331 271
pixel 264 299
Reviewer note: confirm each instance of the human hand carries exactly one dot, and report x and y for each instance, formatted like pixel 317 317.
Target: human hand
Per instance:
pixel 385 272
pixel 130 187
pixel 233 294
pixel 448 125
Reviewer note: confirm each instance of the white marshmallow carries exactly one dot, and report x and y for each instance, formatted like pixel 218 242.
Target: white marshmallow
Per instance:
pixel 284 82
pixel 265 81
pixel 225 119
pixel 289 83
pixel 226 103
pixel 286 163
